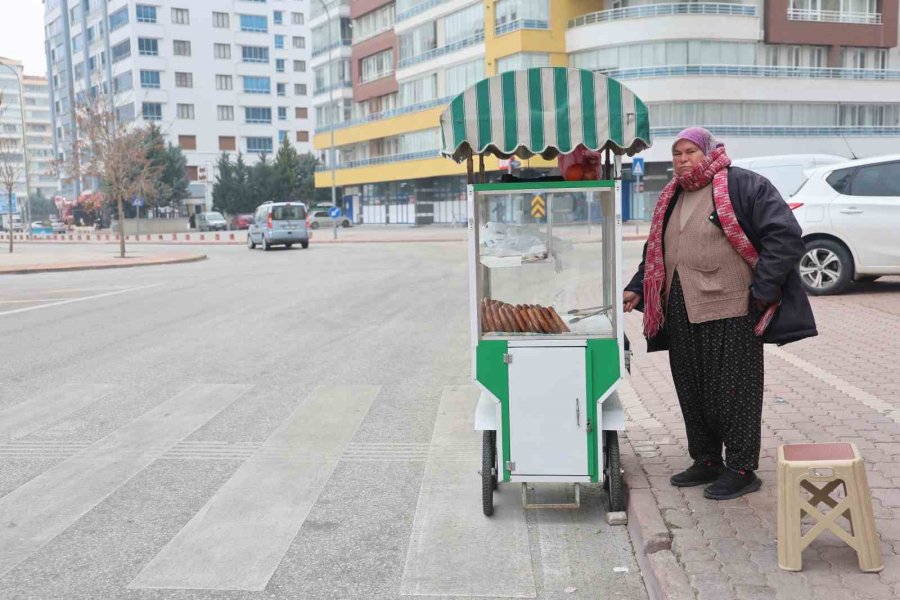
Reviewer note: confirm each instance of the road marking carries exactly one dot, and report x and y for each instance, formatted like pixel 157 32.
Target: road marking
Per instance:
pixel 73 300
pixel 237 540
pixel 27 417
pixel 36 512
pixel 454 550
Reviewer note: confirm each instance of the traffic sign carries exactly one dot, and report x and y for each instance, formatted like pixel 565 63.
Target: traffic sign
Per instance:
pixel 334 212
pixel 538 209
pixel 4 203
pixel 137 202
pixel 514 164
pixel 637 166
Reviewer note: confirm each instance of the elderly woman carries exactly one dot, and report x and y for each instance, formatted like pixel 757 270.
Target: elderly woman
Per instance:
pixel 717 280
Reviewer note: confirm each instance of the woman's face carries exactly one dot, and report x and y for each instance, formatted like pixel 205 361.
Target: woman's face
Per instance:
pixel 685 156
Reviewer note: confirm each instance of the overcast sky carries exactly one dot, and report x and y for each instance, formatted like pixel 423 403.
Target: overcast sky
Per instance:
pixel 22 34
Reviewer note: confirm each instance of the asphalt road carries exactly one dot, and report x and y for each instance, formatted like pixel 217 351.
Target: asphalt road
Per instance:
pixel 289 424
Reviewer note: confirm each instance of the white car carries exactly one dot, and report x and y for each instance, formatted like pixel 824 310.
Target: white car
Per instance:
pixel 787 172
pixel 850 215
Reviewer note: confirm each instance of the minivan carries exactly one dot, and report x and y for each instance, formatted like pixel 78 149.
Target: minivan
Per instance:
pixel 279 224
pixel 788 171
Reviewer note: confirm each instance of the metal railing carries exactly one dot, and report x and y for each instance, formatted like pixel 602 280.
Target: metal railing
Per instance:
pixel 520 24
pixel 834 16
pixel 334 86
pixel 387 114
pixel 751 71
pixel 376 76
pixel 382 160
pixel 332 46
pixel 788 131
pixel 416 10
pixel 431 54
pixel 663 10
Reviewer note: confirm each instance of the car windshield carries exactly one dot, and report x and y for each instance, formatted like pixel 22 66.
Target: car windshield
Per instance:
pixel 288 212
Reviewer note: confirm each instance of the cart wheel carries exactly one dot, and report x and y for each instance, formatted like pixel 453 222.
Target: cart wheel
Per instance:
pixel 488 471
pixel 613 481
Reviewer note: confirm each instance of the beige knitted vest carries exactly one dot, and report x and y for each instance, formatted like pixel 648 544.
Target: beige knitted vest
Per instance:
pixel 715 279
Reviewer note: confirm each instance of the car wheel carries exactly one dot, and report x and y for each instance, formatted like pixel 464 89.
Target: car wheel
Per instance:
pixel 314 225
pixel 288 246
pixel 826 268
pixel 250 243
pixel 304 245
pixel 265 244
pixel 345 223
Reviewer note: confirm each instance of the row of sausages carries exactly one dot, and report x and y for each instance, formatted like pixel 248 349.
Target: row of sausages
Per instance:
pixel 497 316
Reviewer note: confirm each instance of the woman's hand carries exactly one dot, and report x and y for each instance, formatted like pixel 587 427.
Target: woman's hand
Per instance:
pixel 631 299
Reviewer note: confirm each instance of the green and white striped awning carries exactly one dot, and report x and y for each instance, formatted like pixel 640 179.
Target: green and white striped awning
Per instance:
pixel 547 111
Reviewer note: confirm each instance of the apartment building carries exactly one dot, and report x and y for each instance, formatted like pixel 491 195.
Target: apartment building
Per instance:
pixel 216 76
pixel 30 94
pixel 777 77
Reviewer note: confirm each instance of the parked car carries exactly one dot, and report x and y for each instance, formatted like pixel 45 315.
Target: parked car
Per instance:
pixel 320 218
pixel 850 215
pixel 41 229
pixel 211 221
pixel 787 172
pixel 279 224
pixel 58 226
pixel 240 221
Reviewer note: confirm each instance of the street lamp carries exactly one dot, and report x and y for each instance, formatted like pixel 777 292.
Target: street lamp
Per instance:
pixel 332 119
pixel 24 152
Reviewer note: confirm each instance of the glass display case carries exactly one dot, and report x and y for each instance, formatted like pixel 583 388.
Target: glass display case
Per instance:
pixel 544 257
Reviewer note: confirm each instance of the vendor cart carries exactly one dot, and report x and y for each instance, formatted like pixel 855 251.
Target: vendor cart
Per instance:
pixel 545 268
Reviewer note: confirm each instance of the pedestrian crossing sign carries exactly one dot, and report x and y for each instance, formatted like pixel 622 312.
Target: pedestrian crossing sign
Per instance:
pixel 538 209
pixel 637 166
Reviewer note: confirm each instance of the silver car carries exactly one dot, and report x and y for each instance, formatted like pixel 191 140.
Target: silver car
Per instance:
pixel 211 221
pixel 279 224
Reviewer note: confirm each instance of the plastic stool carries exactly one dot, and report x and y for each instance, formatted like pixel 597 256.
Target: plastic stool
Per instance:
pixel 820 469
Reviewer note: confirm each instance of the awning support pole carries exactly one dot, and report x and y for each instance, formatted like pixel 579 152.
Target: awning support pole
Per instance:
pixel 481 168
pixel 470 170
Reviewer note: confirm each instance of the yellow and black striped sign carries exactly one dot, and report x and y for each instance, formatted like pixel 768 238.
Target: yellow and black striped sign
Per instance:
pixel 537 207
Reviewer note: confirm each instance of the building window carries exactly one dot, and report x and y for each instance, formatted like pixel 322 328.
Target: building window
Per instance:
pixel 255 54
pixel 278 17
pixel 302 136
pixel 185 111
pixel 121 50
pixel 225 113
pixel 282 113
pixel 300 66
pixel 125 112
pixel 227 142
pixel 301 112
pixel 224 82
pixel 259 144
pixel 122 83
pixel 299 89
pixel 149 79
pixel 220 20
pixel 181 16
pixel 279 65
pixel 254 23
pixel 148 47
pixel 222 50
pixel 184 80
pixel 376 66
pixel 257 85
pixel 297 18
pixel 279 41
pixel 145 13
pixel 187 142
pixel 282 135
pixel 181 47
pixel 281 89
pixel 192 172
pixel 257 114
pixel 118 18
pixel 416 91
pixel 373 23
pixel 299 42
pixel 151 111
pixel 522 60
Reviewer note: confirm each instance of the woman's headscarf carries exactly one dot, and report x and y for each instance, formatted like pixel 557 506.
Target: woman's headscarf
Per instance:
pixel 699 136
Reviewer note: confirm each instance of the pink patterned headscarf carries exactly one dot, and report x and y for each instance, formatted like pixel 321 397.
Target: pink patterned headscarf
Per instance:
pixel 699 136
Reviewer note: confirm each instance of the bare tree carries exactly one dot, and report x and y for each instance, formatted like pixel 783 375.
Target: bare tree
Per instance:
pixel 11 170
pixel 115 154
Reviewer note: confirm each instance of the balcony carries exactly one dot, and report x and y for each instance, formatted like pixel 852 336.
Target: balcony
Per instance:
pixel 834 16
pixel 387 114
pixel 751 71
pixel 416 10
pixel 334 86
pixel 342 42
pixel 724 131
pixel 520 24
pixel 436 52
pixel 375 76
pixel 663 10
pixel 383 160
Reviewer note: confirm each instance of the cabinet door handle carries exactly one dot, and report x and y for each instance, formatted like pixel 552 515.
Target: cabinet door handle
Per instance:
pixel 577 413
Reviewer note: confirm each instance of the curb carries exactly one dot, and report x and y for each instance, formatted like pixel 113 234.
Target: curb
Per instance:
pixel 98 266
pixel 663 576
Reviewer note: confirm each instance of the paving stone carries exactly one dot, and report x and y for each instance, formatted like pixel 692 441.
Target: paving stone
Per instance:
pixel 891 572
pixel 679 518
pixel 729 549
pixel 753 592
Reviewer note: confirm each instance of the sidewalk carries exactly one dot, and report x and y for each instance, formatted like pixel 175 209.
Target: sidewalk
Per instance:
pixel 33 258
pixel 840 386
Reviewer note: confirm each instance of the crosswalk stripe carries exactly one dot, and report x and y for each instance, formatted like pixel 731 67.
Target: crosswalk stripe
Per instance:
pixel 41 509
pixel 237 540
pixel 454 550
pixel 46 409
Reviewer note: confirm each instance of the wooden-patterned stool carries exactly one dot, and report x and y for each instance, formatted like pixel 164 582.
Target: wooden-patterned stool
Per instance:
pixel 820 469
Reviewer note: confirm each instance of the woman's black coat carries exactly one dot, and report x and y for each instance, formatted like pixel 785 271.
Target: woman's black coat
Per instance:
pixel 773 230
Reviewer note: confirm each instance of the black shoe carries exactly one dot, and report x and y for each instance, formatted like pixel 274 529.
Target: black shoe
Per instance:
pixel 733 484
pixel 698 474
